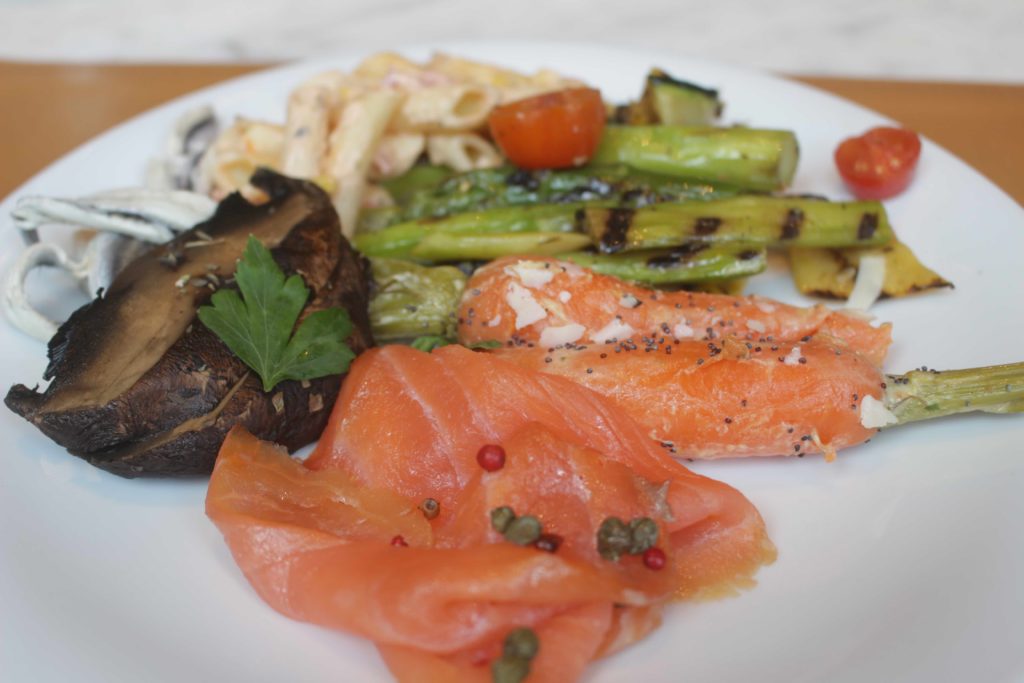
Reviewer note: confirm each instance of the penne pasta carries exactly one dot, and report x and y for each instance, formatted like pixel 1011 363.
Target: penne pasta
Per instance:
pixel 351 146
pixel 462 152
pixel 446 108
pixel 239 150
pixel 383 64
pixel 395 154
pixel 343 130
pixel 511 85
pixel 306 130
pixel 467 71
pixel 376 197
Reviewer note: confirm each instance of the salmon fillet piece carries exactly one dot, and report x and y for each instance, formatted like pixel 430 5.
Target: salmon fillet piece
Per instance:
pixel 315 539
pixel 547 302
pixel 440 408
pixel 726 398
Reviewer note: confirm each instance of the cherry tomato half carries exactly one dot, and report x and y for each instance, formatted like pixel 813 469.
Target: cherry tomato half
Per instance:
pixel 880 163
pixel 554 130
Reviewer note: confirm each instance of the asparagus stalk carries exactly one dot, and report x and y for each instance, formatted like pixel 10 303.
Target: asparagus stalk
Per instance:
pixel 925 394
pixel 677 102
pixel 419 178
pixel 763 160
pixel 500 187
pixel 411 300
pixel 443 246
pixel 670 101
pixel 773 221
pixel 400 241
pixel 692 262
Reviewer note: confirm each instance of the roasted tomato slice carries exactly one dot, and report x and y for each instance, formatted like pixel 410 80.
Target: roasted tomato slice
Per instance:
pixel 554 130
pixel 880 163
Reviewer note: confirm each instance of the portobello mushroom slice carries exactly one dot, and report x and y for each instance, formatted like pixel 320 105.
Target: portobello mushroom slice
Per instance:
pixel 140 387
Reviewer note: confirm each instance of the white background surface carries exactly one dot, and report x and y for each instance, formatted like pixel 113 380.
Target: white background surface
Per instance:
pixel 978 40
pixel 902 561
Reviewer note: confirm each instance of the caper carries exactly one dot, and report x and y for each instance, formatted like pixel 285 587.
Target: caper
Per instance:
pixel 509 670
pixel 430 508
pixel 644 531
pixel 521 643
pixel 613 538
pixel 501 518
pixel 523 530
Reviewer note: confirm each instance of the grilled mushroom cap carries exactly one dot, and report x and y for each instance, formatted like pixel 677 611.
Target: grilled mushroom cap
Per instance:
pixel 141 387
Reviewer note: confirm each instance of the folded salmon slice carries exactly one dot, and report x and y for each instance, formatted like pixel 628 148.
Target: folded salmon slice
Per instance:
pixel 413 422
pixel 548 302
pixel 315 539
pixel 726 398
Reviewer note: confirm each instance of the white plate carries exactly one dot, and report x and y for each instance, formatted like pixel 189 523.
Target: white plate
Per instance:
pixel 903 561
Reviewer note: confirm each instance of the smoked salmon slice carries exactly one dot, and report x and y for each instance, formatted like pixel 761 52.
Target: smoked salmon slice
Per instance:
pixel 342 540
pixel 544 301
pixel 725 398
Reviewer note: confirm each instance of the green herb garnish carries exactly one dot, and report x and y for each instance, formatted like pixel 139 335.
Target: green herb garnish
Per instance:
pixel 430 342
pixel 257 326
pixel 485 344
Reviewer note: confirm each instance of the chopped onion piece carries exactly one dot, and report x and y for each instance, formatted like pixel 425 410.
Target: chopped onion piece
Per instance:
pixel 868 287
pixel 874 414
pixel 527 310
pixel 557 335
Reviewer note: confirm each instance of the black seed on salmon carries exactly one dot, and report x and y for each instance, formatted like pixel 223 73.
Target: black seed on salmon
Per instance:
pixel 548 542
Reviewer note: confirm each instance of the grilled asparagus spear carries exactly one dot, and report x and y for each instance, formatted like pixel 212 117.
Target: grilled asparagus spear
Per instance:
pixel 500 187
pixel 773 221
pixel 410 300
pixel 399 241
pixel 670 101
pixel 691 262
pixel 925 394
pixel 760 160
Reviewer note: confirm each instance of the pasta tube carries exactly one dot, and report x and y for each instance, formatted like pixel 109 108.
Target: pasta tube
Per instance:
pixel 446 108
pixel 239 150
pixel 351 146
pixel 396 154
pixel 462 152
pixel 309 110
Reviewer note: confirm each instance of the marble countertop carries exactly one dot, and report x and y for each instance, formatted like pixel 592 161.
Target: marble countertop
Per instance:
pixel 968 40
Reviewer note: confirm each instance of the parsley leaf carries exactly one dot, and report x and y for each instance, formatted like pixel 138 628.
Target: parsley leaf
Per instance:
pixel 430 342
pixel 257 326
